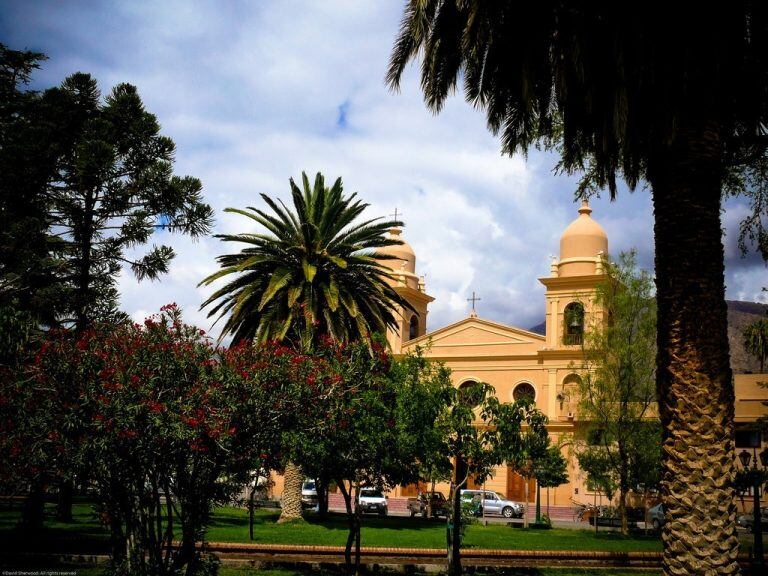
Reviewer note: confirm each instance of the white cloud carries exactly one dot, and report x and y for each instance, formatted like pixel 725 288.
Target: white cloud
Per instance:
pixel 251 93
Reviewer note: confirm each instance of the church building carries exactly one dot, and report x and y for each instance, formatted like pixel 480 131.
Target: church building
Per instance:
pixel 519 362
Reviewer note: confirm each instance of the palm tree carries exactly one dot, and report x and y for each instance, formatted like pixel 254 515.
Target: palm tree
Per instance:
pixel 669 97
pixel 316 272
pixel 756 341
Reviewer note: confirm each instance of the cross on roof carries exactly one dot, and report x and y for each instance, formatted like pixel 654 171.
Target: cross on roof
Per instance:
pixel 473 300
pixel 396 214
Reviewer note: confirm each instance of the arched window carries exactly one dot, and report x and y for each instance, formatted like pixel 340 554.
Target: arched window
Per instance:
pixel 573 316
pixel 413 329
pixel 524 390
pixel 569 389
pixel 470 393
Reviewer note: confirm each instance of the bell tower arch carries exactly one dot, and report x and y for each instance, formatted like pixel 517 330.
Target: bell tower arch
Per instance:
pixel 573 280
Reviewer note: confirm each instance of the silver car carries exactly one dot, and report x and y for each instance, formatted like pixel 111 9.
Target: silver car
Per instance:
pixel 748 520
pixel 656 516
pixel 309 497
pixel 490 502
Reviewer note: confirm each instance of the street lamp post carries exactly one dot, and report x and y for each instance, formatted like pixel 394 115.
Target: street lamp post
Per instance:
pixel 745 457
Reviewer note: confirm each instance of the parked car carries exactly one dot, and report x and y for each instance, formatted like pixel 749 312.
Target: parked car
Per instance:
pixel 419 504
pixel 748 520
pixel 493 503
pixel 656 516
pixel 373 500
pixel 309 494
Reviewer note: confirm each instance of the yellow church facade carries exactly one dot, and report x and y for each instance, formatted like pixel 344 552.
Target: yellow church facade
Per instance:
pixel 519 362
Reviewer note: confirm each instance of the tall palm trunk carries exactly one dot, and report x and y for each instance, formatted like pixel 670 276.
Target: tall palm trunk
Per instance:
pixel 293 479
pixel 694 383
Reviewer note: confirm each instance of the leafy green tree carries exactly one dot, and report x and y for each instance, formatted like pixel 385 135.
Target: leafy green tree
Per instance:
pixel 530 445
pixel 369 425
pixel 484 433
pixel 313 274
pixel 424 388
pixel 617 391
pixel 551 471
pixel 676 101
pixel 601 476
pixel 756 340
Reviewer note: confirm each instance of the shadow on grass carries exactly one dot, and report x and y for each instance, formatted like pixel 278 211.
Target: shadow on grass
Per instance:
pixel 370 521
pixel 234 517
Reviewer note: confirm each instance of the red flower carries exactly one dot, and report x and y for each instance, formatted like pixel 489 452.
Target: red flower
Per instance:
pixel 155 407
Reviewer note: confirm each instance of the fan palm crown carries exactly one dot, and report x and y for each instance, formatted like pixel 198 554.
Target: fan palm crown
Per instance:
pixel 316 271
pixel 677 97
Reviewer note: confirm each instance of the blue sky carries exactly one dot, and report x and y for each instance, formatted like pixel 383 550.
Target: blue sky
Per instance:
pixel 255 92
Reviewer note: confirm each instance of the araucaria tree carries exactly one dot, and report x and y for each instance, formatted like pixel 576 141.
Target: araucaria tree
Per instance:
pixel 313 274
pixel 675 100
pixel 27 270
pixel 112 187
pixel 617 391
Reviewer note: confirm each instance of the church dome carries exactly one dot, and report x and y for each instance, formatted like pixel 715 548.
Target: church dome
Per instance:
pixel 581 243
pixel 403 252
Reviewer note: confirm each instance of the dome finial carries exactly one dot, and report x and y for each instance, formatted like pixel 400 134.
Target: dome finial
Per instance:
pixel 585 209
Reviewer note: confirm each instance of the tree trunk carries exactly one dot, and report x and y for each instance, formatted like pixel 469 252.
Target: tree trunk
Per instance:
pixel 623 511
pixel 623 490
pixel 321 485
pixel 64 504
pixel 33 512
pixel 251 506
pixel 292 479
pixel 430 512
pixel 694 383
pixel 347 494
pixel 454 519
pixel 525 510
pixel 357 526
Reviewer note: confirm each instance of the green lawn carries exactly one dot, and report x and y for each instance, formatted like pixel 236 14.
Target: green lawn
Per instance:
pixel 231 525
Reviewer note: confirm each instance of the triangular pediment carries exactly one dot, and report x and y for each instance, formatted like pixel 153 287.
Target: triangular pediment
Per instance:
pixel 479 337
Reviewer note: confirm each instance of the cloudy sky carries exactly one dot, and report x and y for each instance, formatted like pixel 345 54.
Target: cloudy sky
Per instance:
pixel 255 92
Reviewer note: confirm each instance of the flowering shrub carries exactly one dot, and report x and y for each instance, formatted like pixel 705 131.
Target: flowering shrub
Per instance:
pixel 163 424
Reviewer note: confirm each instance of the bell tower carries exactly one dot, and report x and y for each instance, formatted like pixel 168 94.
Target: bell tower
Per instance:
pixel 411 323
pixel 573 279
